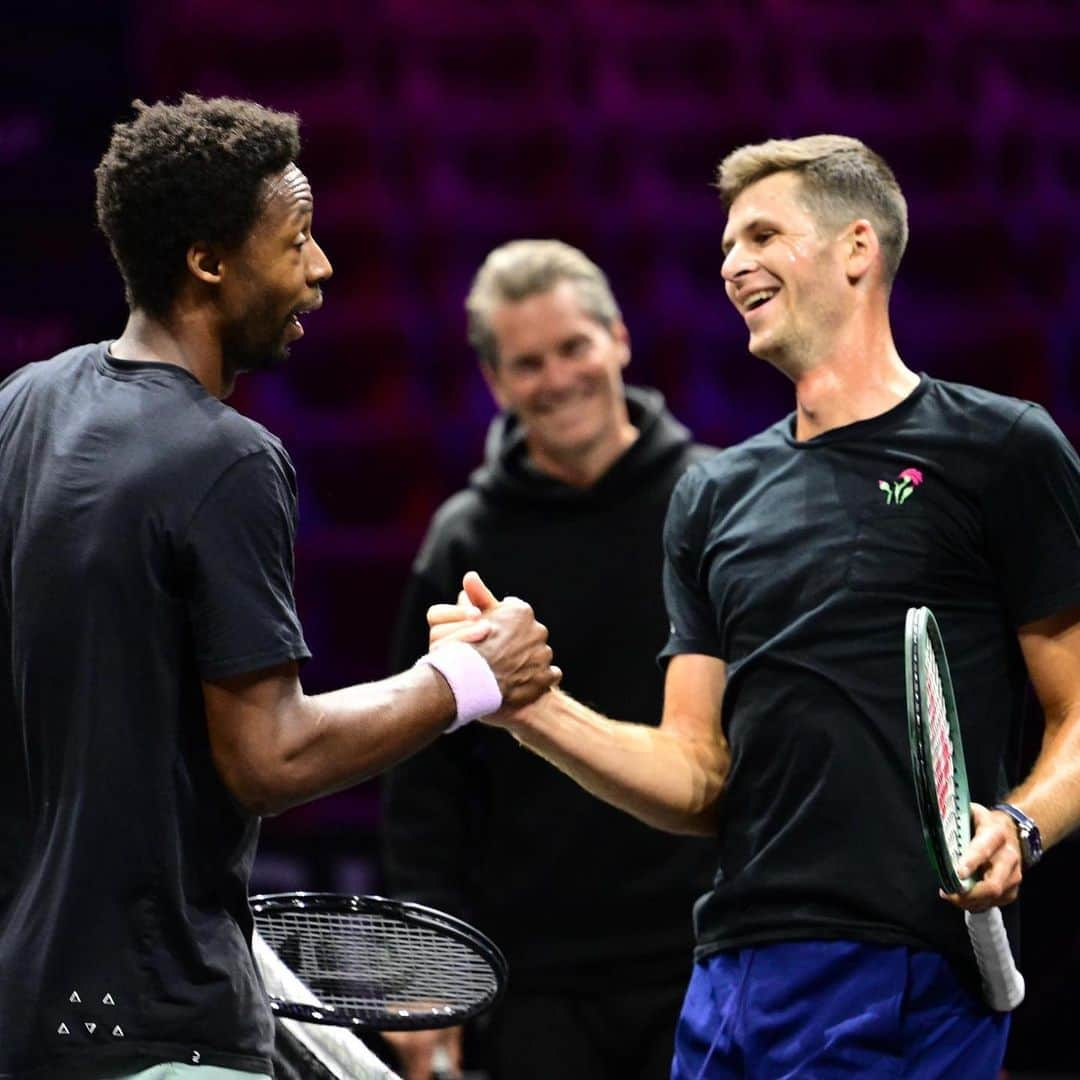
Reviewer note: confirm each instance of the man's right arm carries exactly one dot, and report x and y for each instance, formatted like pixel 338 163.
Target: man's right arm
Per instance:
pixel 276 746
pixel 671 776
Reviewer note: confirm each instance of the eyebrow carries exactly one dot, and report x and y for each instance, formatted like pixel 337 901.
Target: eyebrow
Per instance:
pixel 563 343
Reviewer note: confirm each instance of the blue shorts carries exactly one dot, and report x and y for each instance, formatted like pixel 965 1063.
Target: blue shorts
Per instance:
pixel 825 1009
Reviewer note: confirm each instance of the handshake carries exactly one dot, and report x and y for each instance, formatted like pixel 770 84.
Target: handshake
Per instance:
pixel 508 639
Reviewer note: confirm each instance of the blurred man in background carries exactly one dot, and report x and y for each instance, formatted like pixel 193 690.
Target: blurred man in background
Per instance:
pixel 591 907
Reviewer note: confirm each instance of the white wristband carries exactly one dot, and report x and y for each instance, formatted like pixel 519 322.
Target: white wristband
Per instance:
pixel 471 681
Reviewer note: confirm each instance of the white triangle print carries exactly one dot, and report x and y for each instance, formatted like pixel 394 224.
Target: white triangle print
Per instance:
pixel 63 1030
pixel 75 997
pixel 108 1000
pixel 118 1032
pixel 90 1026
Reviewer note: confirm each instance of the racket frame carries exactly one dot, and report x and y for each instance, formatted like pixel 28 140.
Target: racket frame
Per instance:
pixel 407 913
pixel 1003 985
pixel 921 629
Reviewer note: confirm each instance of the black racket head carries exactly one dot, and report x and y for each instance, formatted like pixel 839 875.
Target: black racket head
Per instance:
pixel 937 752
pixel 377 964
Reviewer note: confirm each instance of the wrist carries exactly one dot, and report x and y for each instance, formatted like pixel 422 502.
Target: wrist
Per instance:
pixel 530 724
pixel 471 681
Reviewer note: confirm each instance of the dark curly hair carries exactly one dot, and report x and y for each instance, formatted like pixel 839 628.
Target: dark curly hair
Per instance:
pixel 181 173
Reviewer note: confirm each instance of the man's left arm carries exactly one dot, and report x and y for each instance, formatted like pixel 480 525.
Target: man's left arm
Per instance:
pixel 1050 795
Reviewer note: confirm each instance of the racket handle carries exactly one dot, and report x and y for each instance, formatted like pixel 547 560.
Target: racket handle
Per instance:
pixel 442 1068
pixel 1003 984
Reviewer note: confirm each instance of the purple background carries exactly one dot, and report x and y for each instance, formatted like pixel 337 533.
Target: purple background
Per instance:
pixel 435 131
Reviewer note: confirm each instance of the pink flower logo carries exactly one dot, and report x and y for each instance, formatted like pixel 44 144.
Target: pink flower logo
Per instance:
pixel 899 491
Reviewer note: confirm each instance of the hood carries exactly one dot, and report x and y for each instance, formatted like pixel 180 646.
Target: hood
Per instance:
pixel 508 476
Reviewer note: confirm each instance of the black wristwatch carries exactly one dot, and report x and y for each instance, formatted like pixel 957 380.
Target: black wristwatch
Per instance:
pixel 1031 849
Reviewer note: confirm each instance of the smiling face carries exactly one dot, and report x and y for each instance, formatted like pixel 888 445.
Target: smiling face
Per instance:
pixel 560 372
pixel 785 274
pixel 272 278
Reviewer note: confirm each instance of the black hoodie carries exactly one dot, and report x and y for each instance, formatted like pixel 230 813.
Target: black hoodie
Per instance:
pixel 579 895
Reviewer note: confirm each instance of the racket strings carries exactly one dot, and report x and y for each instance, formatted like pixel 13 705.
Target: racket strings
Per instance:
pixel 941 754
pixel 368 964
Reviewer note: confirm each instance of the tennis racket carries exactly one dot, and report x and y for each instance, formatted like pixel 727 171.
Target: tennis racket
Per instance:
pixel 941 790
pixel 378 965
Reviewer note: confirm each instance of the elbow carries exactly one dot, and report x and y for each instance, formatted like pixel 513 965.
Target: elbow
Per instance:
pixel 703 820
pixel 256 785
pixel 708 778
pixel 697 815
pixel 704 824
pixel 260 802
pixel 703 816
pixel 681 822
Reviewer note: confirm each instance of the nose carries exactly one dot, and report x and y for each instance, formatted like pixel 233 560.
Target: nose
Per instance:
pixel 557 374
pixel 736 262
pixel 319 268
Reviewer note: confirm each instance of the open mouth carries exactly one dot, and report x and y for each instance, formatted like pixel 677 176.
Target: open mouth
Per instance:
pixel 757 300
pixel 294 323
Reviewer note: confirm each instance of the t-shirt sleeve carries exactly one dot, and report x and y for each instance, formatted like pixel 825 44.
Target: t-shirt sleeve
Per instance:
pixel 1032 515
pixel 692 622
pixel 239 558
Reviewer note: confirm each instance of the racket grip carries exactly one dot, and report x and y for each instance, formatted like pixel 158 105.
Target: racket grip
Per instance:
pixel 1003 985
pixel 442 1068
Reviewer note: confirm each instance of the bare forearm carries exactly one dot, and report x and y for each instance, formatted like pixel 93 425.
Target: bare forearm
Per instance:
pixel 667 780
pixel 1051 793
pixel 317 744
pixel 276 746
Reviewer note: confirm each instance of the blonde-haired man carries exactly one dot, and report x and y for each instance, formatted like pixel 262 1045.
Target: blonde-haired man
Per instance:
pixel 590 906
pixel 791 559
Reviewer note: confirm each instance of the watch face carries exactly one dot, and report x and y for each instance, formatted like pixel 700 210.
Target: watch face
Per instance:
pixel 1034 844
pixel 1030 845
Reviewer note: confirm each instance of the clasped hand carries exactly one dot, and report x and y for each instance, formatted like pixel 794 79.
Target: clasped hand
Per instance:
pixel 993 858
pixel 507 635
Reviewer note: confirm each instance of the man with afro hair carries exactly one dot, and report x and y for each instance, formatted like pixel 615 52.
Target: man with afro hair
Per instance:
pixel 149 695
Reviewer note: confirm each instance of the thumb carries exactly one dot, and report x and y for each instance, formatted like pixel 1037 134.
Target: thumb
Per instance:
pixel 478 592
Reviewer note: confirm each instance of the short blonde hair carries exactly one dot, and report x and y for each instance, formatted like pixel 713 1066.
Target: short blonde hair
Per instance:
pixel 842 179
pixel 524 268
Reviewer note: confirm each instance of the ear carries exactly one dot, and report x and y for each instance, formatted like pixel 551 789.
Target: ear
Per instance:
pixel 204 262
pixel 862 249
pixel 622 336
pixel 494 382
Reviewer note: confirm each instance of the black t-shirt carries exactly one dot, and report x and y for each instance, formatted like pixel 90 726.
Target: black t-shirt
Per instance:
pixel 145 544
pixel 795 562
